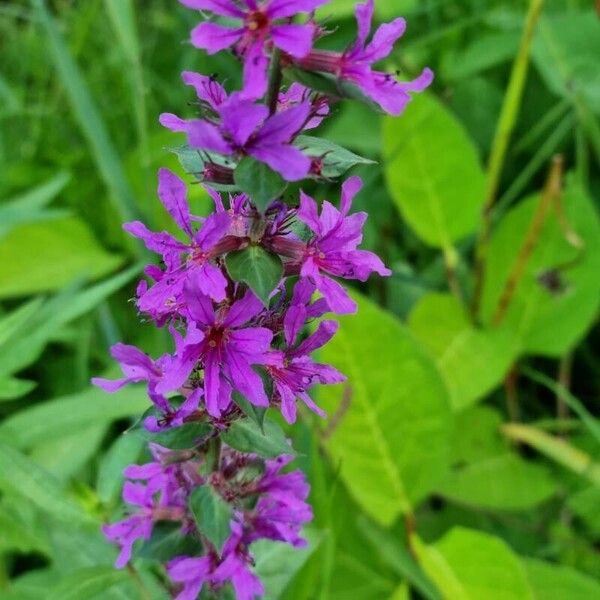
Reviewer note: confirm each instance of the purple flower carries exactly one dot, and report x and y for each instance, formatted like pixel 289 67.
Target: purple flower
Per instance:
pixel 281 511
pixel 355 64
pixel 136 366
pixel 201 249
pixel 236 566
pixel 172 417
pixel 294 372
pixel 246 129
pixel 257 29
pixel 333 249
pixel 226 349
pixel 298 94
pixel 191 573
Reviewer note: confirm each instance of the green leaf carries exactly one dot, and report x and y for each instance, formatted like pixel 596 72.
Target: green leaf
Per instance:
pixel 384 10
pixel 547 320
pixel 559 582
pixel 336 160
pixel 256 267
pixel 256 413
pixel 472 565
pixel 402 592
pixel 11 389
pixel 193 162
pixel 87 583
pixel 566 51
pixel 245 435
pixel 42 323
pixel 212 515
pixel 277 564
pixel 166 542
pixel 472 361
pixel 259 181
pixel 40 257
pixel 504 482
pixel 60 417
pixel 391 448
pixel 124 451
pixel 178 438
pixel 433 172
pixel 22 476
pixel 31 206
pixel 584 505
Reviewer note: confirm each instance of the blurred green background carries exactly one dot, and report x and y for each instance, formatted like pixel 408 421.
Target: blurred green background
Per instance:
pixel 480 436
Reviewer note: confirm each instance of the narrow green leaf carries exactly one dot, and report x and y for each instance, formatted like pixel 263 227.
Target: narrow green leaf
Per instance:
pixel 178 438
pixel 212 515
pixel 259 181
pixel 336 160
pixel 22 476
pixel 87 114
pixel 12 389
pixel 193 162
pixel 87 583
pixel 257 268
pixel 256 413
pixel 166 542
pixel 245 435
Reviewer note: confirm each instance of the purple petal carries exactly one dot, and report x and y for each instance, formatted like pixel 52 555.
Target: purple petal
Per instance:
pixel 296 40
pixel 173 122
pixel 256 63
pixel 207 88
pixel 225 8
pixel 240 118
pixel 206 136
pixel 173 194
pixel 350 188
pixel 110 385
pixel 245 379
pixel 251 341
pixel 325 331
pixel 336 296
pixel 199 304
pixel 308 213
pixel 135 493
pixel 215 228
pixel 364 18
pixel 212 379
pixel 282 127
pixel 213 37
pixel 288 161
pixel 294 321
pixel 288 8
pixel 160 243
pixel 146 471
pixel 383 40
pixel 211 281
pixel 243 310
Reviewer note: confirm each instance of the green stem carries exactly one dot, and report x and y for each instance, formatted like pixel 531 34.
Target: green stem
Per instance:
pixel 275 81
pixel 506 124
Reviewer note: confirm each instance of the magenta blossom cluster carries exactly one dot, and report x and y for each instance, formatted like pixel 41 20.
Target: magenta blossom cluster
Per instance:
pixel 247 293
pixel 264 502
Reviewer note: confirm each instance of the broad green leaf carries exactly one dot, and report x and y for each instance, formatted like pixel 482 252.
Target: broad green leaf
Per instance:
pixel 559 582
pixel 391 442
pixel 166 542
pixel 47 256
pixel 87 583
pixel 384 10
pixel 212 515
pixel 256 267
pixel 433 172
pixel 402 592
pixel 259 181
pixel 556 449
pixel 22 476
pixel 472 361
pixel 124 451
pixel 178 438
pixel 472 565
pixel 477 435
pixel 17 320
pixel 542 318
pixel 276 564
pixel 256 413
pixel 57 418
pixel 566 51
pixel 20 532
pixel 584 505
pixel 34 584
pixel 245 435
pixel 11 388
pixel 504 482
pixel 336 160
